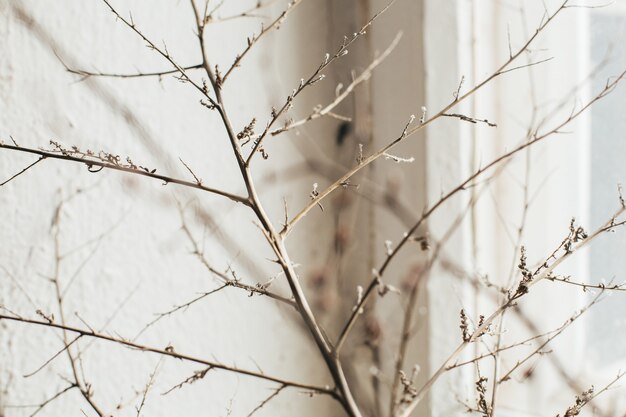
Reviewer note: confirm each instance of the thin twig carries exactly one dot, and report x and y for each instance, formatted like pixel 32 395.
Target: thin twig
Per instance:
pixel 87 74
pixel 586 286
pixel 470 119
pixel 57 354
pixel 195 177
pixel 83 386
pixel 24 170
pixel 197 376
pixel 183 306
pixel 254 39
pixel 149 385
pixel 229 281
pixel 501 349
pixel 250 12
pixel 267 400
pixel 54 397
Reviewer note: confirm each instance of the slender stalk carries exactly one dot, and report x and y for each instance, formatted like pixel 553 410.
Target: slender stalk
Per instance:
pixel 81 384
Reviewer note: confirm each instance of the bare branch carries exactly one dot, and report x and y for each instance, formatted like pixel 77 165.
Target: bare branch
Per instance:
pixel 470 119
pixel 178 308
pixel 51 399
pixel 254 39
pixel 170 353
pixel 197 375
pixel 87 74
pixel 250 12
pixel 147 389
pixel 327 110
pixel 83 386
pixel 267 400
pixel 586 286
pixel 91 163
pixel 65 347
pixel 195 177
pixel 504 71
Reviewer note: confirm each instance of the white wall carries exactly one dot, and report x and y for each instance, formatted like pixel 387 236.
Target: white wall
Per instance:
pixel 143 266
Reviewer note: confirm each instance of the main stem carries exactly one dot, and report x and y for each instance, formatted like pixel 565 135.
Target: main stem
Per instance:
pixel 277 244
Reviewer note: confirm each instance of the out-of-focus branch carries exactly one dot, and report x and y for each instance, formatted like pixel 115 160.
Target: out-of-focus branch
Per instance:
pixel 85 388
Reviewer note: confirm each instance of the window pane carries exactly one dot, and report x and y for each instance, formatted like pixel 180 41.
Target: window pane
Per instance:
pixel 607 333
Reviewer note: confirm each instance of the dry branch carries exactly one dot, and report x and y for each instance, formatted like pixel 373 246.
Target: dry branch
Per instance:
pixel 169 353
pixel 91 163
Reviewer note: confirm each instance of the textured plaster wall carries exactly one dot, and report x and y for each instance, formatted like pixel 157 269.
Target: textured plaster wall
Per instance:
pixel 127 257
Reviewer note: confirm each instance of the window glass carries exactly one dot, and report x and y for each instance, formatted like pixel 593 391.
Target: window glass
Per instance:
pixel 607 330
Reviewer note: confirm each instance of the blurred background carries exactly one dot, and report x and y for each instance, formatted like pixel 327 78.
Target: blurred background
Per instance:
pixel 124 249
